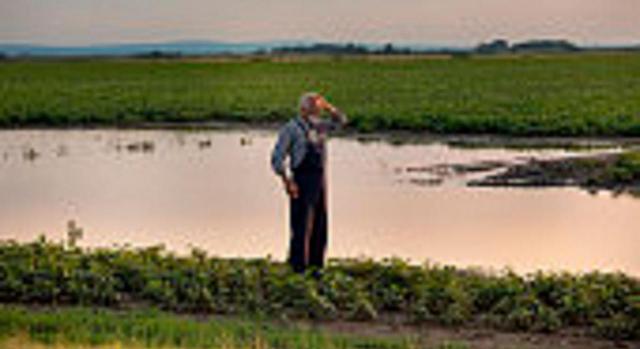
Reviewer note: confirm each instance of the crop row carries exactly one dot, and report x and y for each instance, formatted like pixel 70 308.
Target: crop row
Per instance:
pixel 52 273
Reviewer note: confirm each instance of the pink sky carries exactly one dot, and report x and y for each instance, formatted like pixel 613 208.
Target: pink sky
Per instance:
pixel 450 22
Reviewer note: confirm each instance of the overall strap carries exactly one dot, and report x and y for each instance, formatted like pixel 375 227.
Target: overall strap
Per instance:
pixel 303 128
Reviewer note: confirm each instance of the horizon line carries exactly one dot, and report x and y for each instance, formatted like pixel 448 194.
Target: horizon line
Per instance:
pixel 310 41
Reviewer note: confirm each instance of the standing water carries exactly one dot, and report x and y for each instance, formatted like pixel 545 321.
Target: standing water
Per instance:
pixel 215 190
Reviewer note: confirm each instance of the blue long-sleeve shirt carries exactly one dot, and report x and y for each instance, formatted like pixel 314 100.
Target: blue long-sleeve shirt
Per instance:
pixel 292 140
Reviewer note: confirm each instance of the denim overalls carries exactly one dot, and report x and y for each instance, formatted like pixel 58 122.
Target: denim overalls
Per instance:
pixel 308 216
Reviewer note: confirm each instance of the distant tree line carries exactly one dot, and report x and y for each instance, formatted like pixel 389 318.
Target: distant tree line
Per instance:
pixel 503 46
pixel 498 46
pixel 159 54
pixel 350 48
pixel 493 47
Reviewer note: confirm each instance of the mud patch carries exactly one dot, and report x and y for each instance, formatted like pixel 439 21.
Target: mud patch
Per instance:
pixel 618 173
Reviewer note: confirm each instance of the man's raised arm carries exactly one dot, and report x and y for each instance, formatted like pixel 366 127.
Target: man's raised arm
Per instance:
pixel 338 118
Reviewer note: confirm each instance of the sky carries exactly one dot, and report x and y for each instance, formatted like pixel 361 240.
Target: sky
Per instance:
pixel 438 22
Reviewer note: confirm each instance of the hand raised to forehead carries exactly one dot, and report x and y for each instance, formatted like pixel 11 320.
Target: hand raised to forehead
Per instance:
pixel 321 102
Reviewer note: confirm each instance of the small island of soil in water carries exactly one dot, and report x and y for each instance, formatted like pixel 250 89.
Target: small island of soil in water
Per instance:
pixel 618 172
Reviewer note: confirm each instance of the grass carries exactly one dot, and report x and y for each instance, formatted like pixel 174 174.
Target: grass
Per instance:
pixel 81 327
pixel 560 95
pixel 45 272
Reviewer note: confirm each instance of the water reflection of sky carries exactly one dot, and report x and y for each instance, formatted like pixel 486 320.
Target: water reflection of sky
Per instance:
pixel 215 190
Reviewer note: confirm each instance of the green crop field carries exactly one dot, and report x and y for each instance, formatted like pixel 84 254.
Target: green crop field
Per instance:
pixel 48 273
pixel 567 95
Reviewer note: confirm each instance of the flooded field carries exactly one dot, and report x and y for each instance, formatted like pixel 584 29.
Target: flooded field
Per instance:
pixel 215 190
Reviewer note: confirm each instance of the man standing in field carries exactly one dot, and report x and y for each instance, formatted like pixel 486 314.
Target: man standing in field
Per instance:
pixel 302 141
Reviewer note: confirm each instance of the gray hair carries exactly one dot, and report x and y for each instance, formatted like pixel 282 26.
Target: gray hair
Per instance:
pixel 306 99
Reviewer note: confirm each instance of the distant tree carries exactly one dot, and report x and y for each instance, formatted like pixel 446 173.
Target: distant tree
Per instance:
pixel 324 48
pixel 495 46
pixel 349 48
pixel 388 48
pixel 155 54
pixel 355 49
pixel 3 56
pixel 545 46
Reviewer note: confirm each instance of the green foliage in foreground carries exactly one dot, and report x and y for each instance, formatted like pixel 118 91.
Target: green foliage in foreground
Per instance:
pixel 145 328
pixel 565 95
pixel 45 272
